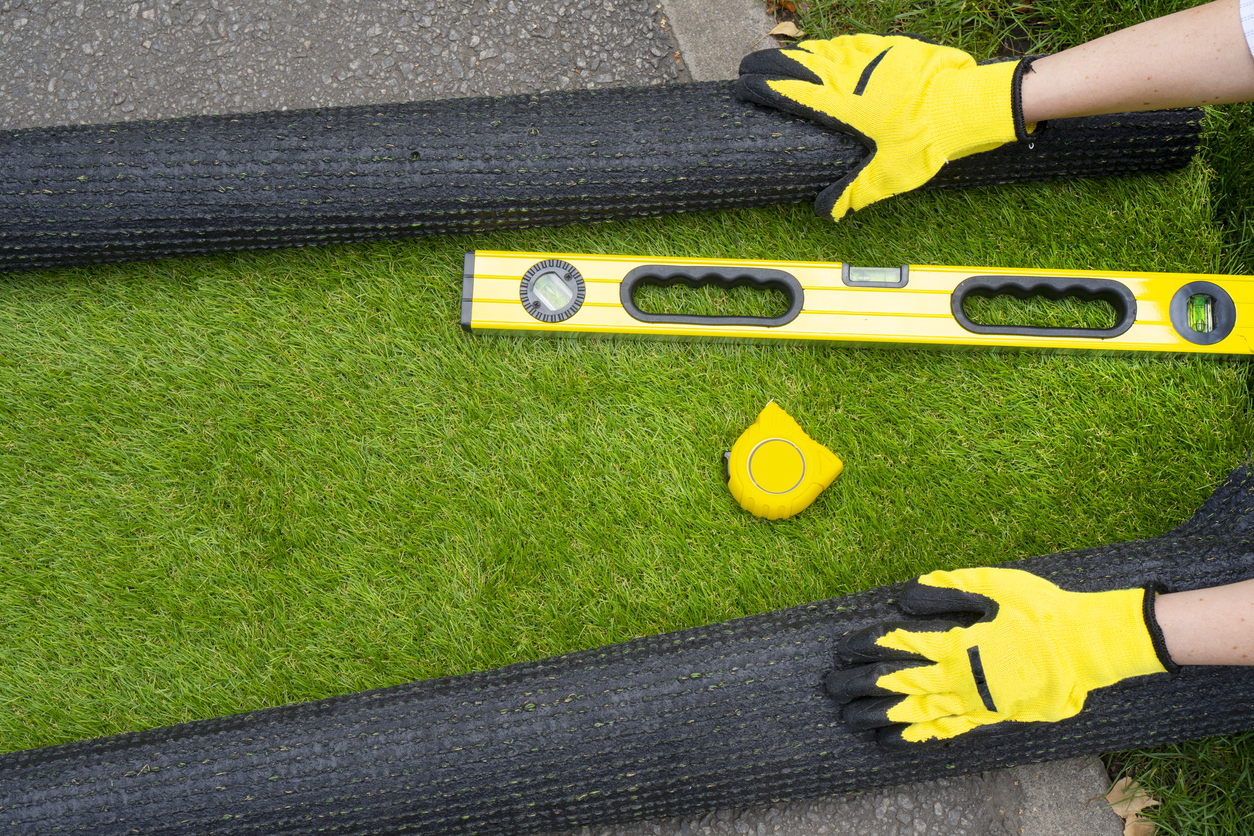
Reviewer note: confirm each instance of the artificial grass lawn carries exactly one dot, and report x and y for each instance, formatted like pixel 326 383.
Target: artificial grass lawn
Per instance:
pixel 246 480
pixel 241 481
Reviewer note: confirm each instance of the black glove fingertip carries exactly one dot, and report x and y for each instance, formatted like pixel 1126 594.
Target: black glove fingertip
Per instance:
pixel 869 713
pixel 925 599
pixel 777 62
pixel 825 203
pixel 752 88
pixel 853 683
pixel 861 647
pixel 891 737
pixel 835 684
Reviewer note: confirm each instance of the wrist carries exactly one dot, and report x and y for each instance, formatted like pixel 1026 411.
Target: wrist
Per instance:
pixel 1124 639
pixel 1211 626
pixel 982 107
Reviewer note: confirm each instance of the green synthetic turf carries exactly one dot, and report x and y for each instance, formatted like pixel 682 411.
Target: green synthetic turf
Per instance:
pixel 985 28
pixel 242 481
pixel 246 480
pixel 1230 154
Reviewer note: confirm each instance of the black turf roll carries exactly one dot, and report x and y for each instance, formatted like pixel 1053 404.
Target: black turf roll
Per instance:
pixel 727 715
pixel 89 194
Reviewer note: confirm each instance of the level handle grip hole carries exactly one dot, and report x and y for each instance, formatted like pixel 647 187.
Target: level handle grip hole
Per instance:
pixel 1044 306
pixel 711 295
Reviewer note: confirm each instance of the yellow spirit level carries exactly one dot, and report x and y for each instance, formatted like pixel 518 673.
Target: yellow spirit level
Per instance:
pixel 914 305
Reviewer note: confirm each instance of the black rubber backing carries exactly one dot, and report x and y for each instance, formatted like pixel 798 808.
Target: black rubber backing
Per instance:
pixel 88 194
pixel 727 715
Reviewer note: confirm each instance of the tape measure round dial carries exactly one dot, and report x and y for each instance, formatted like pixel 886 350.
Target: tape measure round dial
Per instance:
pixel 552 290
pixel 776 465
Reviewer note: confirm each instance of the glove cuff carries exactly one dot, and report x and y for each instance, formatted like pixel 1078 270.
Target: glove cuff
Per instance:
pixel 1152 590
pixel 1118 638
pixel 975 109
pixel 1016 99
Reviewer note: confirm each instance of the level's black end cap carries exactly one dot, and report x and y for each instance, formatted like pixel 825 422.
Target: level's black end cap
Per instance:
pixel 468 289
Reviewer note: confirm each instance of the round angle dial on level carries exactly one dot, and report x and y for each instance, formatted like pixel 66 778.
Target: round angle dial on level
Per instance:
pixel 552 290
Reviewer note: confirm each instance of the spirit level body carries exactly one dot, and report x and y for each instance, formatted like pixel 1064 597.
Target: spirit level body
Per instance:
pixel 562 293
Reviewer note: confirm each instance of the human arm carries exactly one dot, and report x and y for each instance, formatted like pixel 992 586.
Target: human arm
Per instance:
pixel 1209 626
pixel 1198 56
pixel 917 105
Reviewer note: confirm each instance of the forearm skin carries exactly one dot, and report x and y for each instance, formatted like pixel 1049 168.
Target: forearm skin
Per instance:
pixel 1195 57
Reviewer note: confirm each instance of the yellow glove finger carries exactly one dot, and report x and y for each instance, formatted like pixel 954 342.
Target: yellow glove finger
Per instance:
pixel 843 82
pixel 929 707
pixel 1034 654
pixel 950 675
pixel 887 712
pixel 942 728
pixel 883 712
pixel 930 640
pixel 988 582
pixel 880 176
pixel 828 81
pixel 849 62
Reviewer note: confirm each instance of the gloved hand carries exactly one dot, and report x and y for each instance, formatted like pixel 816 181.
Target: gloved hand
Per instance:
pixel 915 104
pixel 1033 656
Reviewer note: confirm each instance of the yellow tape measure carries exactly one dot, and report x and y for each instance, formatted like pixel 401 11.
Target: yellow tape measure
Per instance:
pixel 775 469
pixel 912 305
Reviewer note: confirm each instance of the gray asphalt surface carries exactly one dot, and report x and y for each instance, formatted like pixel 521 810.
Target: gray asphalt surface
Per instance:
pixel 74 62
pixel 71 61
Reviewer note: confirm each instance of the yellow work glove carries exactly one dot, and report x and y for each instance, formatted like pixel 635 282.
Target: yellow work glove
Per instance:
pixel 915 104
pixel 1033 656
